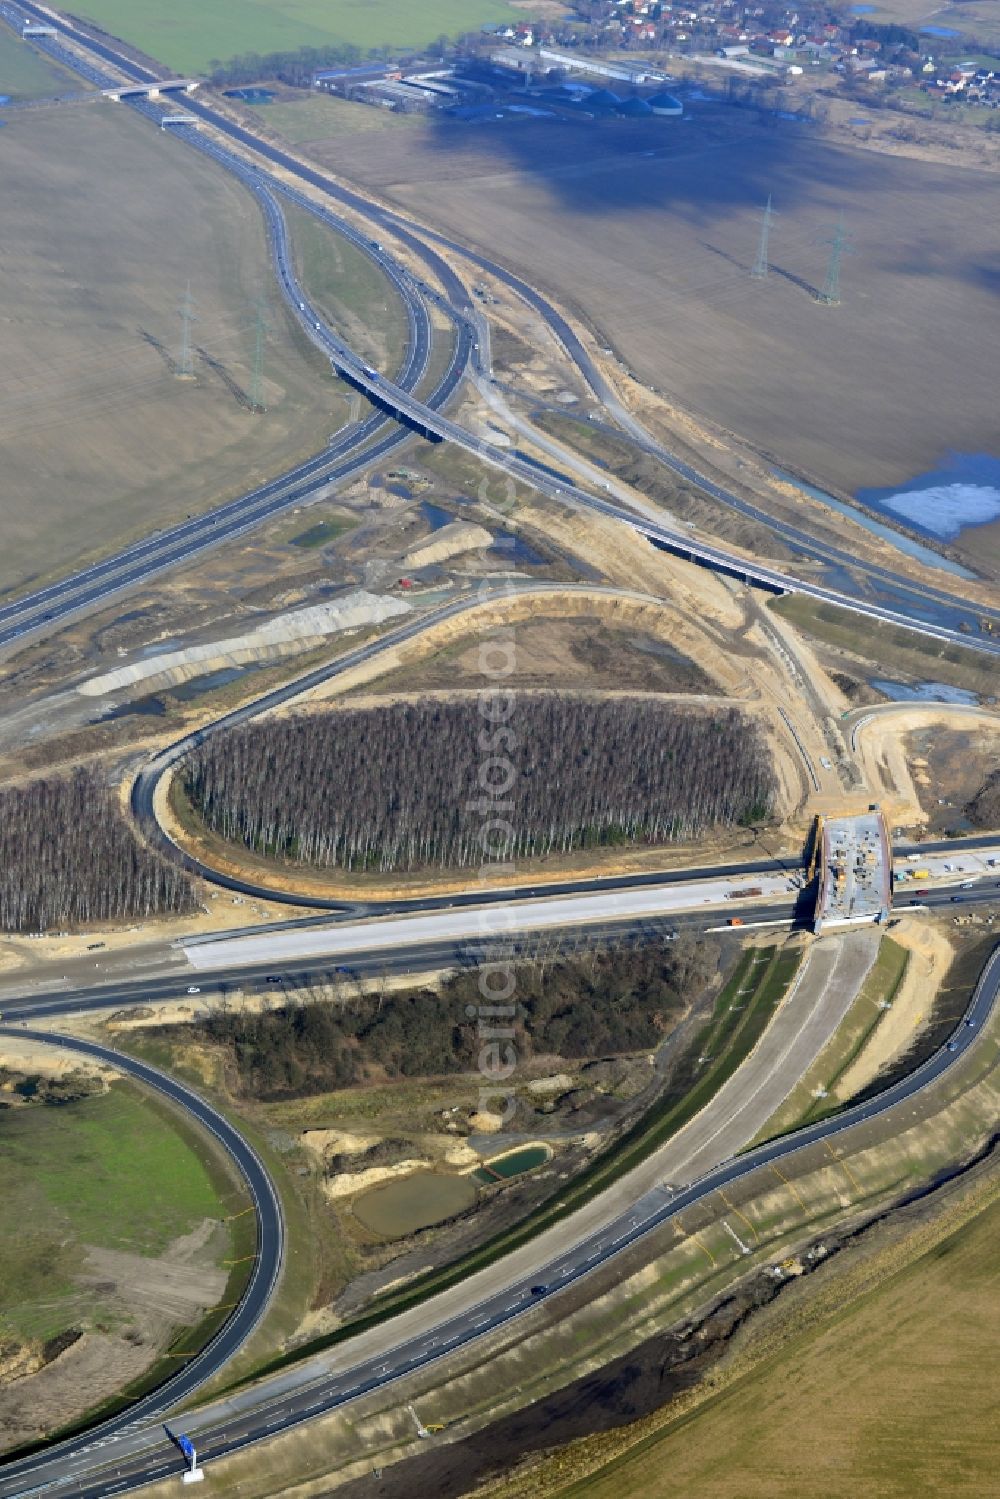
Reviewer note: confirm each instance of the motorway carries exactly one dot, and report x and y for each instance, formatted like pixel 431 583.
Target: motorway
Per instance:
pixel 128 1453
pixel 129 1450
pixel 356 448
pixel 391 396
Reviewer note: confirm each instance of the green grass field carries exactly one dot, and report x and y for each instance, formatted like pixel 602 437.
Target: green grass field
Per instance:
pixel 113 1171
pixel 893 650
pixel 25 74
pixel 189 35
pixel 322 532
pixel 323 117
pixel 352 291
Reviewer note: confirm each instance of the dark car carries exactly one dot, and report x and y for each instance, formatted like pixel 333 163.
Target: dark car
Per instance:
pixel 952 1045
pixel 539 1290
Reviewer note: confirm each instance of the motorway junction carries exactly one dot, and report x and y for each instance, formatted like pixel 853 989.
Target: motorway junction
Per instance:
pixel 845 896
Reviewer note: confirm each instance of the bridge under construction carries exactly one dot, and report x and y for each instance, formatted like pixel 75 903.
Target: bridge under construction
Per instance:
pixel 854 855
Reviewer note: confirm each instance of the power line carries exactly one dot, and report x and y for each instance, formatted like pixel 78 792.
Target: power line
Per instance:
pixel 760 265
pixel 839 247
pixel 257 375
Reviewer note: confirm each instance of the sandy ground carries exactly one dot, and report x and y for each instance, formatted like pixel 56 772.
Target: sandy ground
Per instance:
pixel 153 1296
pixel 21 1055
pixel 327 1143
pixel 930 955
pixel 880 736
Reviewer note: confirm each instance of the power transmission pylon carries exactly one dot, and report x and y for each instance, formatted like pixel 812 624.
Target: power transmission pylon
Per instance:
pixel 185 363
pixel 839 247
pixel 759 267
pixel 257 376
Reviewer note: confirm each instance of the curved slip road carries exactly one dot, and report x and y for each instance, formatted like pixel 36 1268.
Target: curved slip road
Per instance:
pixel 913 599
pixel 356 448
pixel 382 1355
pixel 268 1257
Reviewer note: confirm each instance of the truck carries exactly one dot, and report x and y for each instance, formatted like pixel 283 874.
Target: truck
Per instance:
pixel 744 890
pixel 921 874
pixel 735 921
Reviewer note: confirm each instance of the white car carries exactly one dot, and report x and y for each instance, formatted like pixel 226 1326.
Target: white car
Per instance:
pixel 194 989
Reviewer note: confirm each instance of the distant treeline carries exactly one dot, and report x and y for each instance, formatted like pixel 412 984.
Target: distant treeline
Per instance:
pixel 68 857
pixel 294 68
pixel 410 785
pixel 591 1005
pixel 890 35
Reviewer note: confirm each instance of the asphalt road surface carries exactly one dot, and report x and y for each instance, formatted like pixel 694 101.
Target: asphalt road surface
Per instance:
pixel 912 600
pixel 124 1452
pixel 267 1263
pixel 134 1453
pixel 356 448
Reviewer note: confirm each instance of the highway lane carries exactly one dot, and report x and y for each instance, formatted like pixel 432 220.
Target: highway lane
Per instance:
pixel 913 598
pixel 393 1372
pixel 170 975
pixel 484 923
pixel 268 1255
pixel 281 1403
pixel 175 977
pixel 148 780
pixel 912 614
pixel 681 544
pixel 145 788
pixel 55 604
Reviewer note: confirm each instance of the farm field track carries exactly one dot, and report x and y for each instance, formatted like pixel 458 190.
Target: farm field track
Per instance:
pixel 102 442
pixel 189 35
pixel 648 229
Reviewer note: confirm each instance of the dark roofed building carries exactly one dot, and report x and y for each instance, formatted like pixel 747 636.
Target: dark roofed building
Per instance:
pixel 634 109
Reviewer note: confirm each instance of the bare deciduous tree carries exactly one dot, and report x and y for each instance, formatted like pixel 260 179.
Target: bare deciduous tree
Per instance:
pixel 411 784
pixel 68 857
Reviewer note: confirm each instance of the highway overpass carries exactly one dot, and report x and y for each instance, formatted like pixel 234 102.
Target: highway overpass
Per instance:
pixel 151 90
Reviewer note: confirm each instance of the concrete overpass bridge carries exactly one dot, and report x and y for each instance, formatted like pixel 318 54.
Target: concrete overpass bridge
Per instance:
pixel 151 90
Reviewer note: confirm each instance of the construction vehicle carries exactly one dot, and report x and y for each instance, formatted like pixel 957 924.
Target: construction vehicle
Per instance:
pixel 735 921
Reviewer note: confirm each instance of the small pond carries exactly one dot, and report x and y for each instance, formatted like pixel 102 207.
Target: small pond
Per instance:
pixel 209 682
pixel 924 692
pixel 435 515
pixel 401 1207
pixel 513 1163
pixel 143 707
pixel 905 544
pixel 251 95
pixel 964 491
pixel 510 551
